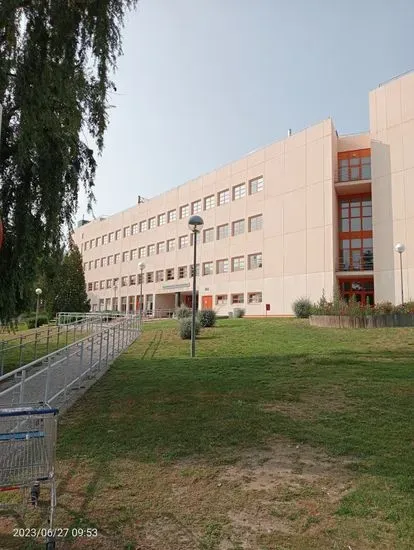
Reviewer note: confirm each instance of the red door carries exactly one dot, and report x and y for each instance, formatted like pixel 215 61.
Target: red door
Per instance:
pixel 207 302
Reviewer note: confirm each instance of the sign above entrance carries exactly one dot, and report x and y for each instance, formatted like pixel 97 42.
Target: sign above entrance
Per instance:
pixel 176 287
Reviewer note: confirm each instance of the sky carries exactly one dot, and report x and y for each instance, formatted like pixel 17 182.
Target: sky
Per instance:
pixel 204 82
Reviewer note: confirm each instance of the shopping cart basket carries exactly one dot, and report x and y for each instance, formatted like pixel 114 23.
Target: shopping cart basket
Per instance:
pixel 27 454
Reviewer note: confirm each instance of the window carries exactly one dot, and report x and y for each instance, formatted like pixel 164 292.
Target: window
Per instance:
pixel 104 239
pixel 169 274
pixel 102 285
pixel 96 285
pixel 182 272
pixel 221 299
pixel 159 276
pixel 208 235
pixel 162 219
pixel 237 298
pixel 183 241
pixel 172 216
pixel 142 252
pixel 184 211
pixel 254 298
pixel 98 241
pixel 96 264
pixel 151 223
pixel 224 197
pixel 108 283
pixel 355 237
pixel 85 266
pixel 140 278
pixel 132 280
pixel 151 249
pixel 125 256
pixel 237 227
pixel 117 234
pixel 127 231
pixel 161 247
pixel 207 268
pixel 239 191
pixel 116 281
pixel 111 237
pixel 192 270
pixel 117 258
pixel 124 281
pixel 209 202
pixel 196 207
pixel 150 277
pixel 255 261
pixel 256 185
pixel 192 238
pixel 222 266
pixel 170 245
pixel 90 264
pixel 134 229
pixel 237 264
pixel 143 226
pixel 90 286
pixel 222 231
pixel 110 260
pixel 91 243
pixel 103 262
pixel 134 254
pixel 354 165
pixel 86 245
pixel 256 222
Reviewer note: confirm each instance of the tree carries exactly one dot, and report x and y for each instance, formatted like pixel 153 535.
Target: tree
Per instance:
pixel 56 61
pixel 69 284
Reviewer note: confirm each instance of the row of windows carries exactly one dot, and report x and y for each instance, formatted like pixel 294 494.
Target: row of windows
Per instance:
pixel 223 197
pixel 252 298
pixel 255 223
pixel 254 261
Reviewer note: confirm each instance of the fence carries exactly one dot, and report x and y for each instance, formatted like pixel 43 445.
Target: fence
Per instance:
pixel 61 376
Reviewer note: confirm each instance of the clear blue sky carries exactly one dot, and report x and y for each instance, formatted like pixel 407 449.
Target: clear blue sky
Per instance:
pixel 204 82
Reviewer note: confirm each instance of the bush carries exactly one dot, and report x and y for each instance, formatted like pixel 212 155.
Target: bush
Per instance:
pixel 183 312
pixel 207 318
pixel 41 320
pixel 185 328
pixel 302 308
pixel 238 313
pixel 383 308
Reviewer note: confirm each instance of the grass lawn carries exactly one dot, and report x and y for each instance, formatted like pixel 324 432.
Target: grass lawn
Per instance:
pixel 277 436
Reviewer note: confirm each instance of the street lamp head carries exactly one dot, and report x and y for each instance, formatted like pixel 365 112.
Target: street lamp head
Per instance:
pixel 400 248
pixel 195 223
pixel 141 265
pixel 38 291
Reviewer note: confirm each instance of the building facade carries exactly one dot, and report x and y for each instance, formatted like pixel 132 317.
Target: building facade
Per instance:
pixel 293 219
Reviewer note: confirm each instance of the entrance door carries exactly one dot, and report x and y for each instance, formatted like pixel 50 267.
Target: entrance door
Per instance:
pixel 362 289
pixel 207 302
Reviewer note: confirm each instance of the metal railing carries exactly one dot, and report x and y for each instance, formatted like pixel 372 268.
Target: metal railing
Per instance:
pixel 356 265
pixel 60 377
pixel 346 175
pixel 65 317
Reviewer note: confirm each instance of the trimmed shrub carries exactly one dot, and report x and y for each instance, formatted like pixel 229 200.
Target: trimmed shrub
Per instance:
pixel 382 308
pixel 207 318
pixel 238 313
pixel 183 312
pixel 41 320
pixel 302 308
pixel 185 328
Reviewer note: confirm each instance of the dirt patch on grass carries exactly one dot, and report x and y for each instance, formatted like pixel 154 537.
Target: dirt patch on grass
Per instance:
pixel 284 496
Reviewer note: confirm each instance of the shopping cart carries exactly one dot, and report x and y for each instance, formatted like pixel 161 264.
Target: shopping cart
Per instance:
pixel 27 454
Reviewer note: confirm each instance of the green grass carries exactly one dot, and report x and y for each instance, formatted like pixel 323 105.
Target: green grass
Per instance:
pixel 346 392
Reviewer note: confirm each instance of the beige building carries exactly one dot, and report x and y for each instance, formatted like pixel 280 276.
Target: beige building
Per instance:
pixel 288 220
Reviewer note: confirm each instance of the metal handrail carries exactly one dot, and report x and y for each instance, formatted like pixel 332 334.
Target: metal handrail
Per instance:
pixel 362 265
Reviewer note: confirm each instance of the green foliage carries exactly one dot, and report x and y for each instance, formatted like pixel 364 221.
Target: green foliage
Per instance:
pixel 70 286
pixel 207 318
pixel 356 309
pixel 41 320
pixel 238 313
pixel 182 312
pixel 185 328
pixel 302 308
pixel 56 63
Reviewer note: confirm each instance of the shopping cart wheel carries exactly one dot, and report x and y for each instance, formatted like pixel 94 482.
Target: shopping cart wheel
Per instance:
pixel 50 543
pixel 34 494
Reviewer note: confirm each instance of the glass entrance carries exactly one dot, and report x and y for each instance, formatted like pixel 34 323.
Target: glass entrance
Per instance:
pixel 362 289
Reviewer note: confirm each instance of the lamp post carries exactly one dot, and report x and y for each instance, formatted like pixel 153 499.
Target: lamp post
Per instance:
pixel 195 223
pixel 141 266
pixel 38 293
pixel 400 248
